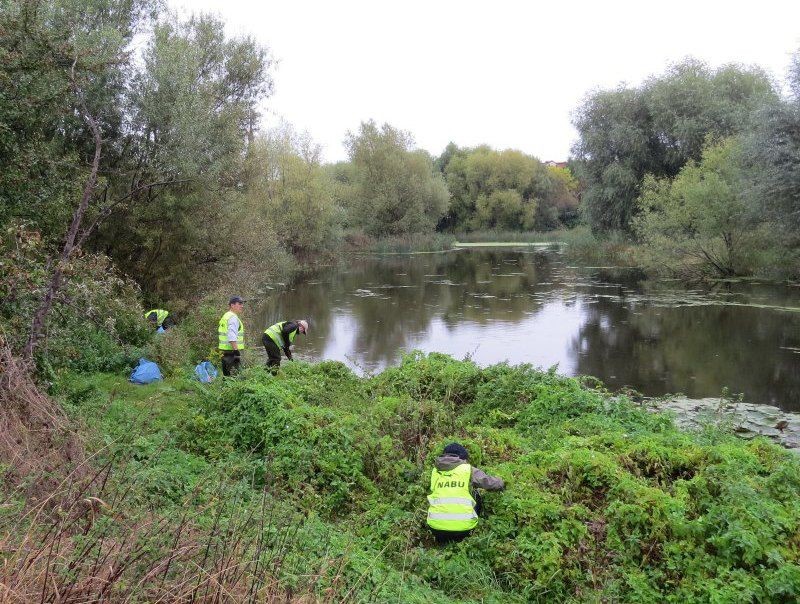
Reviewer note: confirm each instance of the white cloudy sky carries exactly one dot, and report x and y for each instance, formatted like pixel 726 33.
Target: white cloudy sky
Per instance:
pixel 502 72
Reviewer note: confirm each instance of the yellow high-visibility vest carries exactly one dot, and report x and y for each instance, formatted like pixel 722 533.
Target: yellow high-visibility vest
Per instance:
pixel 161 314
pixel 451 505
pixel 222 330
pixel 275 334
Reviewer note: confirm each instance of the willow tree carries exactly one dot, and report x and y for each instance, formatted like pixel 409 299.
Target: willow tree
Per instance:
pixel 289 194
pixel 396 189
pixel 193 109
pixel 64 69
pixel 775 147
pixel 700 223
pixel 656 128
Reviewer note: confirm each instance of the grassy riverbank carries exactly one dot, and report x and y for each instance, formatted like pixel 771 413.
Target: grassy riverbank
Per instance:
pixel 311 485
pixel 579 243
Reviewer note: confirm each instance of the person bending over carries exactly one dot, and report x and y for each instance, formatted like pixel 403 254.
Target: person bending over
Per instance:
pixel 159 318
pixel 280 336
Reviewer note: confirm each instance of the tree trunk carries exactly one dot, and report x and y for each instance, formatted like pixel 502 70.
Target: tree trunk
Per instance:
pixel 40 317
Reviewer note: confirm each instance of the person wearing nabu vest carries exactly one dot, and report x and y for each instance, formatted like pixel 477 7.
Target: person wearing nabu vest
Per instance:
pixel 159 317
pixel 280 336
pixel 231 336
pixel 453 507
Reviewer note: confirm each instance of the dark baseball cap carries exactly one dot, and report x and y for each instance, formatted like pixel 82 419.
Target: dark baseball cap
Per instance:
pixel 236 300
pixel 456 449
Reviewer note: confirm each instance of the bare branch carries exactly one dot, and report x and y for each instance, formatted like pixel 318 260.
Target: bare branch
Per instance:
pixel 39 318
pixel 106 210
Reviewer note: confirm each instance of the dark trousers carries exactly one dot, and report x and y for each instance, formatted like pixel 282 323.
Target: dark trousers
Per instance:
pixel 443 537
pixel 230 362
pixel 273 352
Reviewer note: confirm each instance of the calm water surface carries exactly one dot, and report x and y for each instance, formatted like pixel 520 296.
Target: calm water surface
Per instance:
pixel 533 306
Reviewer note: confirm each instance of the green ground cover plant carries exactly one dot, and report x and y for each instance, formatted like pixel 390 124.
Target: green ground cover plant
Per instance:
pixel 605 501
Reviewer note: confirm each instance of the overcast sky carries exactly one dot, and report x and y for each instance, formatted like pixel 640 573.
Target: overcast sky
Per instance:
pixel 505 73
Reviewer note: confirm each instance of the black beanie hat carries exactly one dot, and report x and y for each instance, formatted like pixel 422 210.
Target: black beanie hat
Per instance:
pixel 457 450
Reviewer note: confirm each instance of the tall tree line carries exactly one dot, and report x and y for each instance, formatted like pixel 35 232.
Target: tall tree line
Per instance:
pixel 698 165
pixel 169 127
pixel 155 157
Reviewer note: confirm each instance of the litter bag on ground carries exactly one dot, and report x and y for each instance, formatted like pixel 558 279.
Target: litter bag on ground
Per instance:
pixel 205 371
pixel 145 372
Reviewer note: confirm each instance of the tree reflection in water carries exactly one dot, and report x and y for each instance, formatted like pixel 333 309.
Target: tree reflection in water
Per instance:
pixel 531 306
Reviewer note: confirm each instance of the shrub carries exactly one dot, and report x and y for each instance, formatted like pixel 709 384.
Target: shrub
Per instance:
pixel 96 323
pixel 603 500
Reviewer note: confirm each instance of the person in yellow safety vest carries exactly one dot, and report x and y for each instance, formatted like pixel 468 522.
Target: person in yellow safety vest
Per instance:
pixel 280 336
pixel 159 318
pixel 231 336
pixel 453 507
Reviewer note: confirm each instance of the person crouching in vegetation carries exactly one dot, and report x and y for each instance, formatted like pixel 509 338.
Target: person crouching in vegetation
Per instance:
pixel 453 507
pixel 231 336
pixel 159 318
pixel 280 336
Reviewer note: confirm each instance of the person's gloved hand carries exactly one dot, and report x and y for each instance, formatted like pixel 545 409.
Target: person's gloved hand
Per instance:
pixel 237 354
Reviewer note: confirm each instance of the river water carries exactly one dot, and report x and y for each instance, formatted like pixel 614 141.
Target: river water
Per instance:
pixel 533 305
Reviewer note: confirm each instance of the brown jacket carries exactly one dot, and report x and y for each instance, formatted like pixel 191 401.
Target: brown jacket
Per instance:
pixel 479 478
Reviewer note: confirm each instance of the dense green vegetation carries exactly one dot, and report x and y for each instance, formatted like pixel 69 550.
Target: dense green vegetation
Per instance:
pixel 605 501
pixel 155 159
pixel 699 165
pixel 394 190
pixel 96 327
pixel 505 190
pixel 141 175
pixel 699 220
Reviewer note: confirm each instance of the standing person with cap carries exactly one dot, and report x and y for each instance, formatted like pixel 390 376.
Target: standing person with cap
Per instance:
pixel 453 507
pixel 231 336
pixel 280 336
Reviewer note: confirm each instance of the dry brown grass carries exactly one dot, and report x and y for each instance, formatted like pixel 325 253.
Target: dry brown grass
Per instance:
pixel 39 447
pixel 104 547
pixel 74 530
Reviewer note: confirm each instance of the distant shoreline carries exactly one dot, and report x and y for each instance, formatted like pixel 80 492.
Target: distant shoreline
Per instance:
pixel 507 244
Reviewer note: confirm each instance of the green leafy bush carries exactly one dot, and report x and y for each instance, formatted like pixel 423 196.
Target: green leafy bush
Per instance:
pixel 96 323
pixel 604 501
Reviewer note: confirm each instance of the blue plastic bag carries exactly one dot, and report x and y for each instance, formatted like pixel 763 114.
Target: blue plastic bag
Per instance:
pixel 161 329
pixel 205 372
pixel 145 372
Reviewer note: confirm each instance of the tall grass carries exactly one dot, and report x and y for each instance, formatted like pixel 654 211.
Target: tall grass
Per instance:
pixel 101 545
pixel 513 236
pixel 405 244
pixel 613 248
